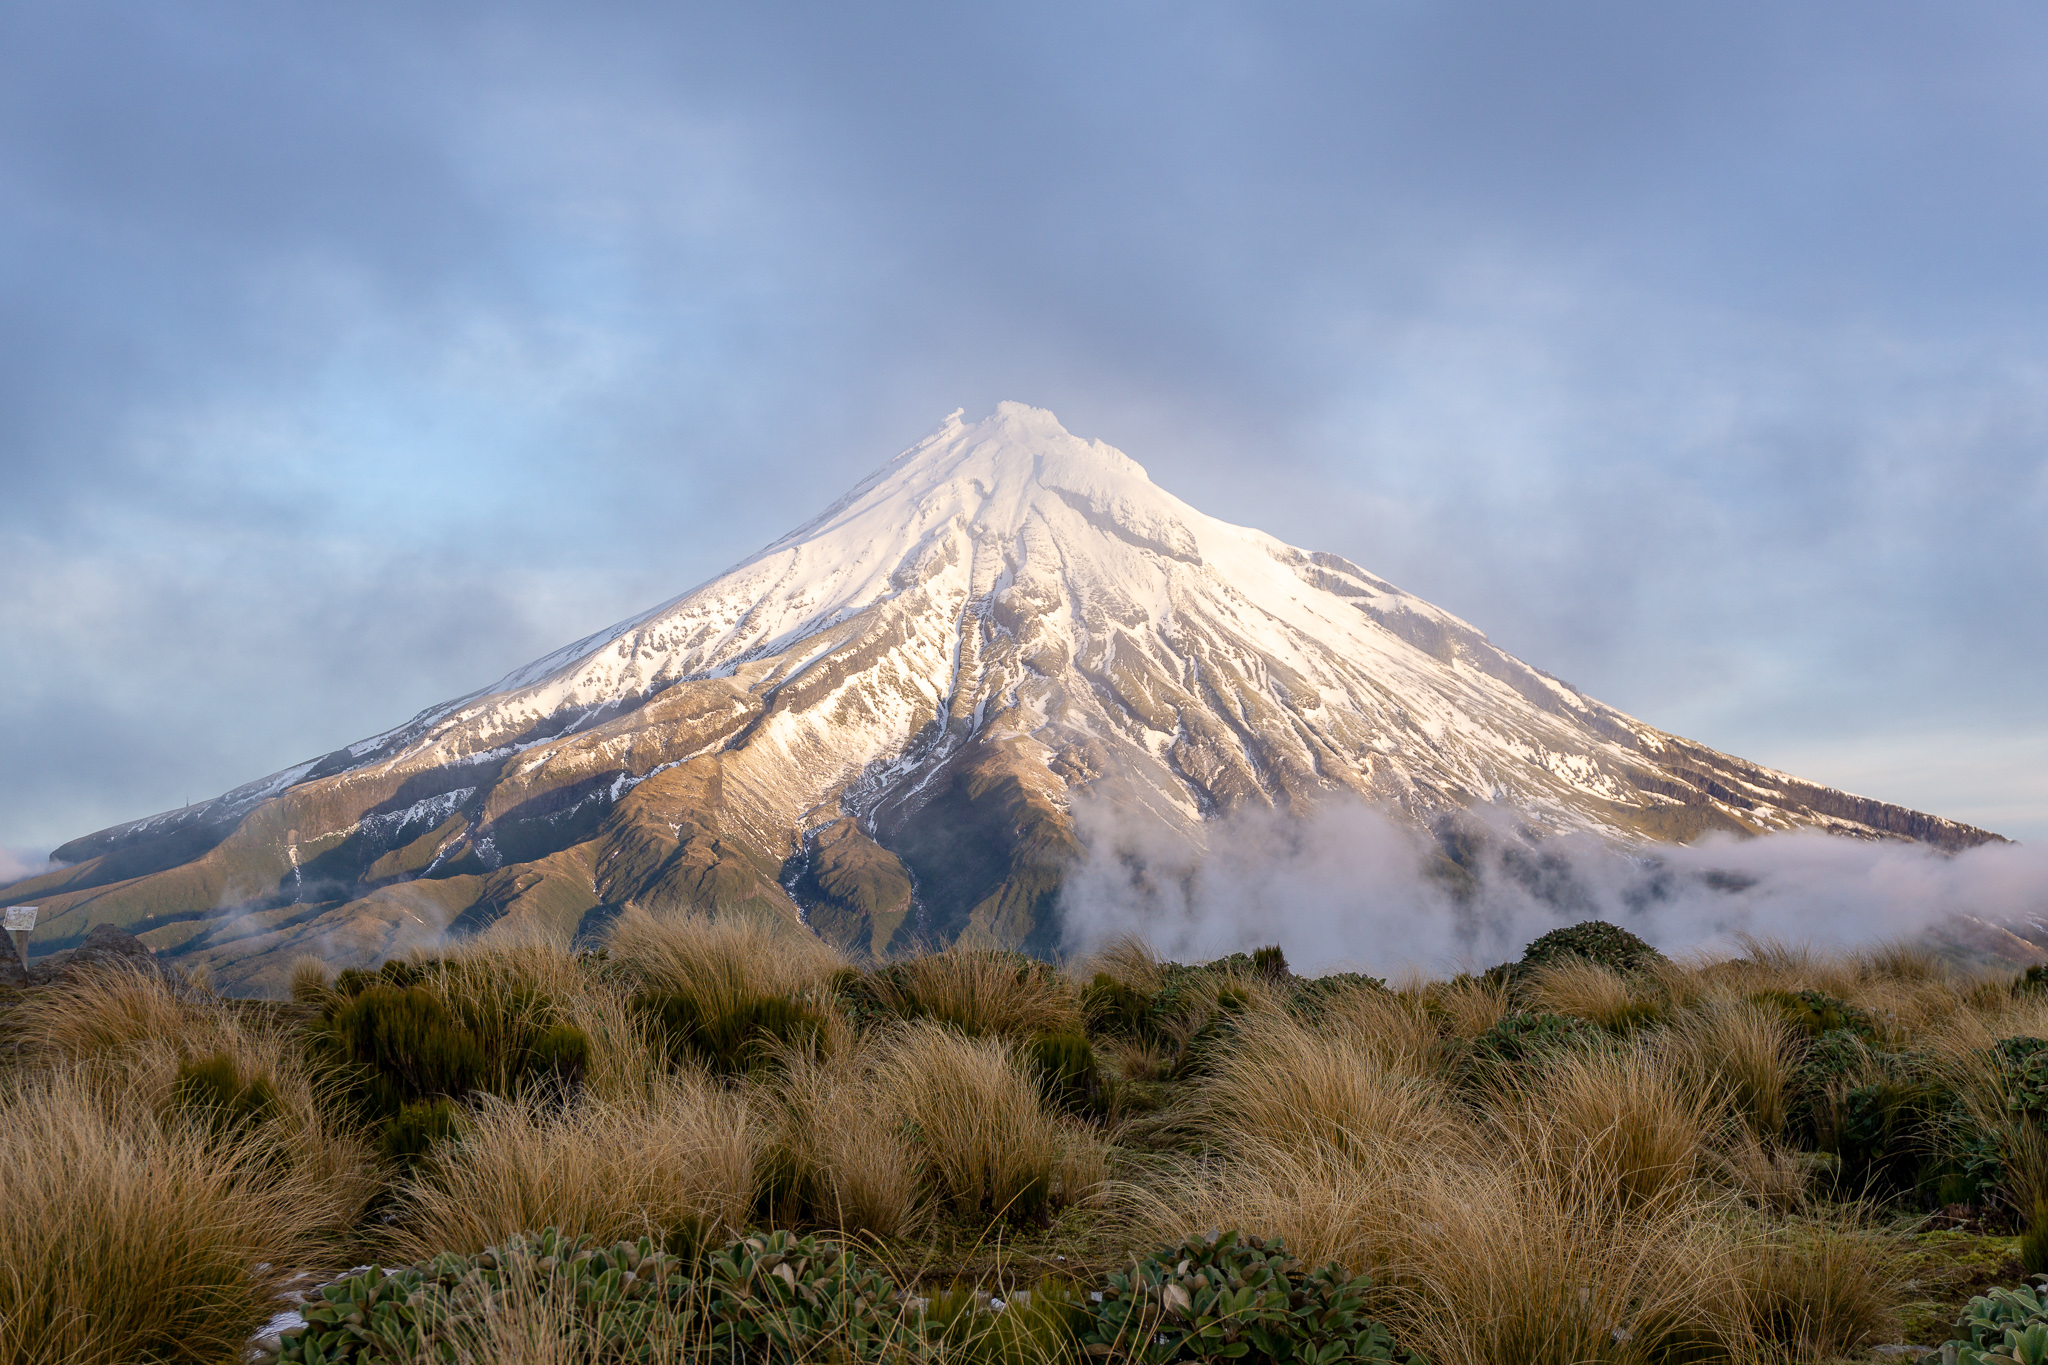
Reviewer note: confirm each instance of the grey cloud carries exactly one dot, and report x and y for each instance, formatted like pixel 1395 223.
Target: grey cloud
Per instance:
pixel 1696 357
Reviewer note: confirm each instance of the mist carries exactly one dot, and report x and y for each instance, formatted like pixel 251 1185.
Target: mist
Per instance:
pixel 19 864
pixel 1352 888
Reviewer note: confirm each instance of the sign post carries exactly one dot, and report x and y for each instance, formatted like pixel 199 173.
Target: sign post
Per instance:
pixel 21 919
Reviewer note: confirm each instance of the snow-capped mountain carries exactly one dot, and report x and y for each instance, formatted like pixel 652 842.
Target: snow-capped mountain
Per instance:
pixel 879 724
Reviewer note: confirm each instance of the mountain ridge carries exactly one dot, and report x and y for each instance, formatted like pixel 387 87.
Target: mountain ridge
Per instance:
pixel 876 724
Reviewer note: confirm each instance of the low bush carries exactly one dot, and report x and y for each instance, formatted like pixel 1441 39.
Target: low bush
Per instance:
pixel 1067 1073
pixel 1595 941
pixel 729 1037
pixel 1518 1041
pixel 1814 1013
pixel 1116 1009
pixel 228 1103
pixel 1228 1297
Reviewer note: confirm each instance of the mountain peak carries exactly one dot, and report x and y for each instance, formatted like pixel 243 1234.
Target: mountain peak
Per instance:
pixel 879 725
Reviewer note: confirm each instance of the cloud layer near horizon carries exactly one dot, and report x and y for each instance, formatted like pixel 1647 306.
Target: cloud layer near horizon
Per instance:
pixel 351 358
pixel 1349 888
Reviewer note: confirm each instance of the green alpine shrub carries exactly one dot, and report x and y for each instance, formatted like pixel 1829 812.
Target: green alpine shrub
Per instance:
pixel 1609 945
pixel 1067 1073
pixel 212 1090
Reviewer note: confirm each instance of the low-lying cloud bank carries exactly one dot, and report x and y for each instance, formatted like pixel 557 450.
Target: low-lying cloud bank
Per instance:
pixel 1351 887
pixel 19 864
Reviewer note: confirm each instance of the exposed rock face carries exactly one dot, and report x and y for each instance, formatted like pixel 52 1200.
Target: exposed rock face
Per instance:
pixel 878 725
pixel 104 946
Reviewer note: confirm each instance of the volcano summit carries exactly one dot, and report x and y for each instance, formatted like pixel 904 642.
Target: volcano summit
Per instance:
pixel 877 724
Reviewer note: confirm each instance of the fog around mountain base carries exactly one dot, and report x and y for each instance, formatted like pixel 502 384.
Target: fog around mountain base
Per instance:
pixel 1350 887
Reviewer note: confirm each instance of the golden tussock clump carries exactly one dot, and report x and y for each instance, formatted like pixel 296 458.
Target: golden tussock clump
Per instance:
pixel 680 1157
pixel 980 992
pixel 990 1142
pixel 128 1236
pixel 722 963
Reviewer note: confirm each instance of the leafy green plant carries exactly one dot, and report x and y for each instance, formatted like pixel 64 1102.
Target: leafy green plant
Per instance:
pixel 2002 1327
pixel 769 1299
pixel 626 1294
pixel 1270 962
pixel 1225 1297
pixel 2033 981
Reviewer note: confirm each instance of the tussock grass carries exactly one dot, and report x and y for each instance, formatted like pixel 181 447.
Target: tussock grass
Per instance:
pixel 105 1009
pixel 988 1140
pixel 1480 1256
pixel 1469 1005
pixel 1820 1292
pixel 1126 959
pixel 1898 960
pixel 721 963
pixel 980 992
pixel 1589 991
pixel 1744 1052
pixel 679 1159
pixel 311 980
pixel 1394 1027
pixel 1618 1127
pixel 1340 1084
pixel 127 1238
pixel 838 1150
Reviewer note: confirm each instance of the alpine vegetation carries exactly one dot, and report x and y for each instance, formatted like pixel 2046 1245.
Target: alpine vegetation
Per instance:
pixel 715 1140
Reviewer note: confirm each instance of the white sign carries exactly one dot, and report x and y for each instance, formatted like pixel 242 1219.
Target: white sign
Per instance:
pixel 21 918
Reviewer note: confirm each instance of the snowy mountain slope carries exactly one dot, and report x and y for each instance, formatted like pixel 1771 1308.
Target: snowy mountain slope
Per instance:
pixel 879 722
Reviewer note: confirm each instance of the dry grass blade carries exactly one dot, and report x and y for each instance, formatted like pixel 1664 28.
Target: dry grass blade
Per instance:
pixel 1744 1052
pixel 1342 1085
pixel 981 992
pixel 1619 1128
pixel 1469 1005
pixel 126 1239
pixel 104 1009
pixel 838 1148
pixel 1818 1293
pixel 681 1158
pixel 1126 959
pixel 1589 991
pixel 990 1143
pixel 721 963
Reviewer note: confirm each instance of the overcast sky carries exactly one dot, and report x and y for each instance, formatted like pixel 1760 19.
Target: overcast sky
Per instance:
pixel 352 355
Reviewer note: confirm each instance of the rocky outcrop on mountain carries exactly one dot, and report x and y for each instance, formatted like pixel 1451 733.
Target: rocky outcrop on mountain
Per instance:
pixel 877 728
